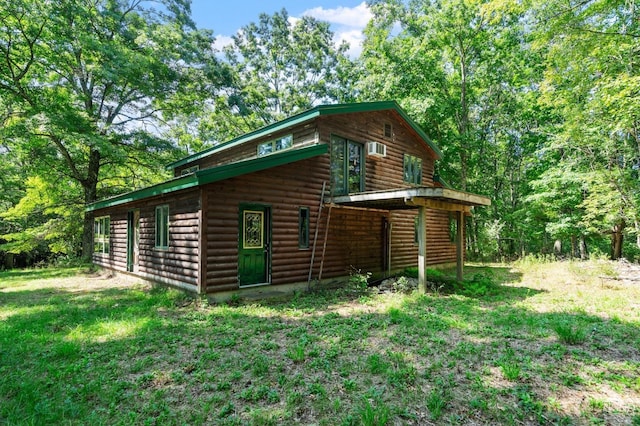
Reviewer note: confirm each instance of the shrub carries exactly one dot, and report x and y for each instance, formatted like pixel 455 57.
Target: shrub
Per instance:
pixel 402 285
pixel 358 280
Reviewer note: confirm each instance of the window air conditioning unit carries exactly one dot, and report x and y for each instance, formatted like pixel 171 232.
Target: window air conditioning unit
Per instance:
pixel 376 149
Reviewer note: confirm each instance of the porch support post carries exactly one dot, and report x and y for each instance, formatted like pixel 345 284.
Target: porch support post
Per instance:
pixel 422 249
pixel 459 245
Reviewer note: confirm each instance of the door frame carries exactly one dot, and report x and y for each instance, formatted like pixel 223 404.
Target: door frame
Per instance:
pixel 267 236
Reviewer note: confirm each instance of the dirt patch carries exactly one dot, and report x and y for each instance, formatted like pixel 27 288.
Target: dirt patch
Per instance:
pixel 81 283
pixel 627 273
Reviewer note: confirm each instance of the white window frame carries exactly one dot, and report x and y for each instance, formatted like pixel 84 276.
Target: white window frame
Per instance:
pixel 101 234
pixel 279 144
pixel 412 169
pixel 162 227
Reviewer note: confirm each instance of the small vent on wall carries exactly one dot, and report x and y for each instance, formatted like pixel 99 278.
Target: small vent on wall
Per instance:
pixel 376 149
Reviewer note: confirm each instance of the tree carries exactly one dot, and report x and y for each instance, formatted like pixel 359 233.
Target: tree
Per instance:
pixel 281 66
pixel 465 72
pixel 88 82
pixel 592 80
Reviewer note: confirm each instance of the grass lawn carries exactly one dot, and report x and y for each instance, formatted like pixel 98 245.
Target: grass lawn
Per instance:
pixel 531 343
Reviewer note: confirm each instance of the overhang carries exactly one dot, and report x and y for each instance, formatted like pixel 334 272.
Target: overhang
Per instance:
pixel 410 198
pixel 214 174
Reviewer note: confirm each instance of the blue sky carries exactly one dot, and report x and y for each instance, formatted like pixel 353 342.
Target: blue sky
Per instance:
pixel 347 17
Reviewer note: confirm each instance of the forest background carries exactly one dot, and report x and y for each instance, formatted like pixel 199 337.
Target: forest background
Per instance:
pixel 534 103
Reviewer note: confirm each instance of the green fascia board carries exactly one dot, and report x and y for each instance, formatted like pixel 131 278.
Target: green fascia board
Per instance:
pixel 261 163
pixel 310 115
pixel 214 174
pixel 176 184
pixel 291 121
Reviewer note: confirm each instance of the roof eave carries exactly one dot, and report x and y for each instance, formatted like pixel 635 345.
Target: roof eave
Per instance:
pixel 205 176
pixel 321 110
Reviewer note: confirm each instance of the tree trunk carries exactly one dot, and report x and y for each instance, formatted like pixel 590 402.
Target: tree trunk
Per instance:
pixel 584 254
pixel 617 238
pixel 574 247
pixel 557 248
pixel 90 188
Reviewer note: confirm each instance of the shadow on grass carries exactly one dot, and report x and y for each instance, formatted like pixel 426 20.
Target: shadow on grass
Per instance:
pixel 490 283
pixel 135 356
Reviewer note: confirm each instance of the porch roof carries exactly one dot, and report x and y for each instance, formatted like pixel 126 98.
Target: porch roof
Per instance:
pixel 410 198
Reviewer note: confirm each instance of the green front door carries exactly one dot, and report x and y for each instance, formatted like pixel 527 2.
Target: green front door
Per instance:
pixel 254 245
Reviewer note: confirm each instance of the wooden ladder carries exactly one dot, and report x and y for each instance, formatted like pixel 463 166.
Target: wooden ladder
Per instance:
pixel 315 238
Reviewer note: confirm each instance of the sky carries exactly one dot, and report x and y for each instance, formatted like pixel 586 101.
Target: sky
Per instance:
pixel 347 17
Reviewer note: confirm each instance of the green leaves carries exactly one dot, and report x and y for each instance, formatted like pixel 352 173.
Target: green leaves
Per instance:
pixel 281 67
pixel 90 85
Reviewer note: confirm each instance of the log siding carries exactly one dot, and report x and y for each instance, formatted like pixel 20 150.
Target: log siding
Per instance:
pixel 179 261
pixel 203 247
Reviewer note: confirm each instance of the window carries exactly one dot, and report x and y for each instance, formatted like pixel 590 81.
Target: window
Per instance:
pixel 275 145
pixel 347 166
pixel 101 234
pixel 303 227
pixel 412 169
pixel 388 130
pixel 453 227
pixel 162 226
pixel 189 170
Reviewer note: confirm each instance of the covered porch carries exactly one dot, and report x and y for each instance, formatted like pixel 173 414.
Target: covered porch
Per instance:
pixel 422 198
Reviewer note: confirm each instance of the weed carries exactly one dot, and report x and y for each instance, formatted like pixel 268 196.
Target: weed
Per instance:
pixel 234 300
pixel 479 285
pixel 377 365
pixel 349 385
pixel 359 281
pixel 570 334
pixel 396 316
pixel 260 366
pixel 511 370
pixel 436 402
pixel 295 398
pixel 374 415
pixel 596 404
pixel 402 285
pixel 227 410
pixel 296 353
pixel 317 389
pixel 479 404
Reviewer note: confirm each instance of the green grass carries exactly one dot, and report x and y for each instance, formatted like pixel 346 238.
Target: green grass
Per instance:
pixel 540 343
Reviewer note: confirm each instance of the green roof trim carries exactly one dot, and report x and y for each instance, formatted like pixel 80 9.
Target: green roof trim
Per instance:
pixel 307 116
pixel 176 184
pixel 281 158
pixel 214 174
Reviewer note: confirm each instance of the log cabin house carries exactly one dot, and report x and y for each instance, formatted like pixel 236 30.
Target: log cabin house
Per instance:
pixel 334 189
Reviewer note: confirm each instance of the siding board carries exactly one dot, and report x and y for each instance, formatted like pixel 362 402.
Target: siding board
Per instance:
pixel 208 258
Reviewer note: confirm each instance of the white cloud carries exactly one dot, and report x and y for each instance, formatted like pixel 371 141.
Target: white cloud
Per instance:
pixel 354 38
pixel 222 41
pixel 352 17
pixel 293 20
pixel 347 24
